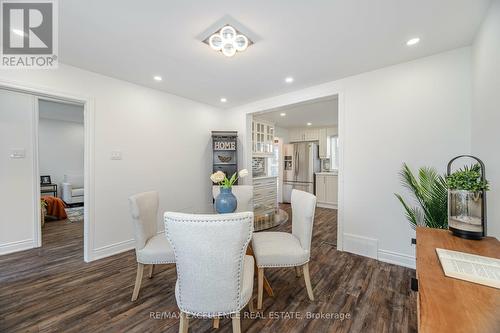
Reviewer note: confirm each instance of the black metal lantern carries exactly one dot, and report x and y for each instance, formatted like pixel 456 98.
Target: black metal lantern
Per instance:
pixel 467 209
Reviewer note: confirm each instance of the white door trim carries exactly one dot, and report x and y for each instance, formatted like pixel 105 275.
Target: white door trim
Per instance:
pixel 298 97
pixel 89 148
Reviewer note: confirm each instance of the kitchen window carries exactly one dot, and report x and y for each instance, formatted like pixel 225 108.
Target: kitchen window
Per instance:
pixel 334 152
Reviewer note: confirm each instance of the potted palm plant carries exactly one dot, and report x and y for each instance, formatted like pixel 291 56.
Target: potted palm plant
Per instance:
pixel 430 193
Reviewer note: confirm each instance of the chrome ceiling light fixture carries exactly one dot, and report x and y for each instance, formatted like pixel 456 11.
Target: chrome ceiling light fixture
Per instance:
pixel 228 41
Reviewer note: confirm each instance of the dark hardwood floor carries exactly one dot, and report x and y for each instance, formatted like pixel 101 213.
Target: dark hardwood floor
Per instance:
pixel 51 289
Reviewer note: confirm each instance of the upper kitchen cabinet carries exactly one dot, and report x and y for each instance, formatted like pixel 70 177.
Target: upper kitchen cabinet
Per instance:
pixel 262 137
pixel 324 143
pixel 304 134
pixel 311 134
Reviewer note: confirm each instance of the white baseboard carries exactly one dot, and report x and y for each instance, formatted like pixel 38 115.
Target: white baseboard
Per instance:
pixel 397 258
pixel 16 246
pixel 112 249
pixel 361 245
pixel 327 205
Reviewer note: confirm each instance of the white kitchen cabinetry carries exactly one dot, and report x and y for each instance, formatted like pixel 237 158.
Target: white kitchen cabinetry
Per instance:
pixel 304 134
pixel 296 135
pixel 262 137
pixel 311 134
pixel 265 196
pixel 324 143
pixel 327 190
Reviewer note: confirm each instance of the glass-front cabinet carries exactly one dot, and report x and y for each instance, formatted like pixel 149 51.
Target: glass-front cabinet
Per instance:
pixel 262 137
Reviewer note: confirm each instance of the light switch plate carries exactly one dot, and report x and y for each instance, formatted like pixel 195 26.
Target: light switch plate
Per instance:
pixel 116 155
pixel 17 153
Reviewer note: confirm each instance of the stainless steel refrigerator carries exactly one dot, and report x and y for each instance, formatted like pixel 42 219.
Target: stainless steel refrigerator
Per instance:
pixel 299 174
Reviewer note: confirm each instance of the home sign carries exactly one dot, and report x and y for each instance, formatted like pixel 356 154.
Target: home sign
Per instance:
pixel 225 145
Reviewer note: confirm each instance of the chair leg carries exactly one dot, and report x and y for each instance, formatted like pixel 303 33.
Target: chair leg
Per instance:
pixel 251 308
pixel 260 290
pixel 138 280
pixel 236 323
pixel 184 324
pixel 216 322
pixel 307 279
pixel 297 271
pixel 151 269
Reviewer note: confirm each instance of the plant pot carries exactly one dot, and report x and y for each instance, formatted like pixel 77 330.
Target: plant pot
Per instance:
pixel 226 201
pixel 465 214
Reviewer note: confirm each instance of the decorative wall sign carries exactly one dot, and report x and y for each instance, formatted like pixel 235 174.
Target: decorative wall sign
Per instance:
pixel 224 145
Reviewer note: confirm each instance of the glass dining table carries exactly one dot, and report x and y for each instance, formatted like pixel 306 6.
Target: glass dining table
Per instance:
pixel 264 218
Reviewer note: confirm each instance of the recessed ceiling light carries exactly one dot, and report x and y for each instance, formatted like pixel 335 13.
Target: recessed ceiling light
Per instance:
pixel 309 124
pixel 289 79
pixel 157 78
pixel 282 114
pixel 413 41
pixel 223 100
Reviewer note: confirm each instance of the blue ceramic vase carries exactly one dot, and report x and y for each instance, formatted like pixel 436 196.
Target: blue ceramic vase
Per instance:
pixel 226 201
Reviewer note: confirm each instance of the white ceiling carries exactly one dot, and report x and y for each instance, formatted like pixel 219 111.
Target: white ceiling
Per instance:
pixel 320 113
pixel 60 111
pixel 314 41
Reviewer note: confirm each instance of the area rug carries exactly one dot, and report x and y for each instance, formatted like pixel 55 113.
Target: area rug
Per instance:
pixel 75 214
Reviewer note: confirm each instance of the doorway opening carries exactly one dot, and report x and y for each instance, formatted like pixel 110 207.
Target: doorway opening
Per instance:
pixel 61 161
pixel 297 146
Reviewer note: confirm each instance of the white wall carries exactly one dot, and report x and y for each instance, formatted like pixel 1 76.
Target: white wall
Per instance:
pixel 17 204
pixel 164 139
pixel 486 108
pixel 283 133
pixel 416 112
pixel 60 148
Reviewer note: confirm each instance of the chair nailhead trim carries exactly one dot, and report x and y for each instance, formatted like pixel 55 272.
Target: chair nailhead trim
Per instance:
pixel 220 313
pixel 287 265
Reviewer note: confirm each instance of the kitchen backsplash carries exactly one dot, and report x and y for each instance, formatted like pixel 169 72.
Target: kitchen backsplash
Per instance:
pixel 258 166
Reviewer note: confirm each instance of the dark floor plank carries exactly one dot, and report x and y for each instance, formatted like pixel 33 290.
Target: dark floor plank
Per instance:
pixel 51 289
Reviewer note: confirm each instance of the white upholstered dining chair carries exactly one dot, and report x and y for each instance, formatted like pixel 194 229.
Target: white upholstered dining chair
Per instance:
pixel 282 249
pixel 243 194
pixel 214 274
pixel 151 248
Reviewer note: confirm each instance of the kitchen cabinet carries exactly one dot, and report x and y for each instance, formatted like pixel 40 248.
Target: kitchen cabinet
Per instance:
pixel 324 143
pixel 327 190
pixel 295 135
pixel 265 195
pixel 303 134
pixel 262 137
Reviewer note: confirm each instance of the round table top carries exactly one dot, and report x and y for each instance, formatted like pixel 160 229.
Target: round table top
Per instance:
pixel 262 221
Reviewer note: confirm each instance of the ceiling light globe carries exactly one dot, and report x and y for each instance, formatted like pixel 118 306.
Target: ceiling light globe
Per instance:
pixel 228 33
pixel 240 43
pixel 228 49
pixel 413 41
pixel 215 42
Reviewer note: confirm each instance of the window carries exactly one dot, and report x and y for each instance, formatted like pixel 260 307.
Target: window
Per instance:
pixel 334 153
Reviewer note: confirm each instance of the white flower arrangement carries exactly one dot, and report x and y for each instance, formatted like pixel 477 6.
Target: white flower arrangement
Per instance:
pixel 220 178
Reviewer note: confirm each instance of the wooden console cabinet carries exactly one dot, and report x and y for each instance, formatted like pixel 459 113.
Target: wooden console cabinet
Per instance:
pixel 451 305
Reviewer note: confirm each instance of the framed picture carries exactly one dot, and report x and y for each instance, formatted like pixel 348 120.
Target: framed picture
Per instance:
pixel 45 180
